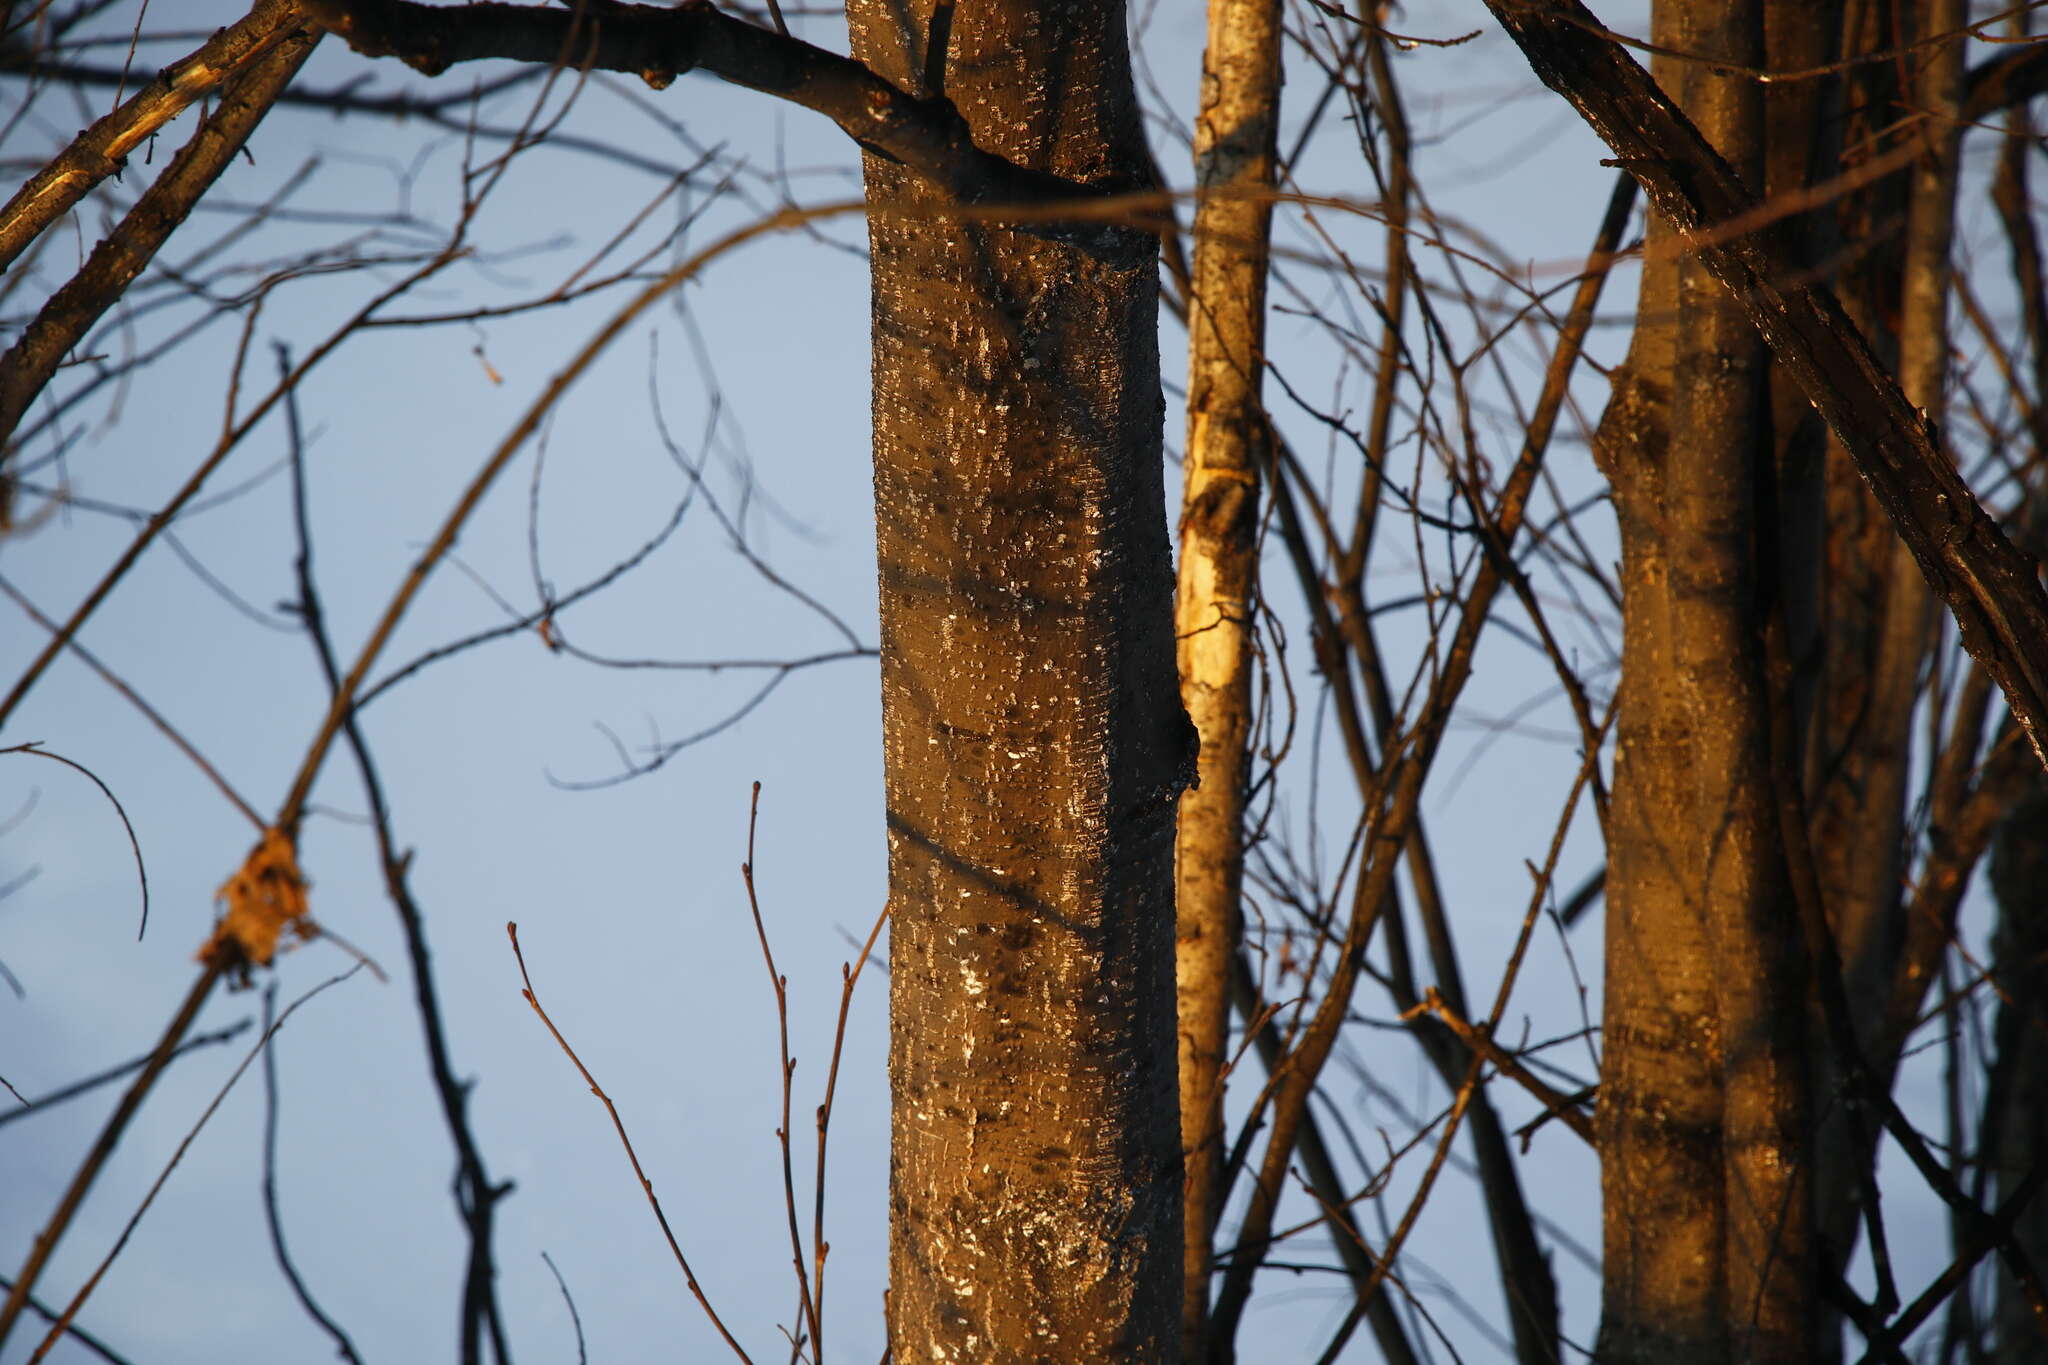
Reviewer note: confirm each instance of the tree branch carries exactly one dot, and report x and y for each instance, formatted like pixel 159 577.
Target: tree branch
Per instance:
pixel 123 254
pixel 658 44
pixel 100 150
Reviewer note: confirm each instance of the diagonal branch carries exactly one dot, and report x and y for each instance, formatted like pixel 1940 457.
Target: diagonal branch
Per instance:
pixel 116 262
pixel 1988 585
pixel 658 44
pixel 100 150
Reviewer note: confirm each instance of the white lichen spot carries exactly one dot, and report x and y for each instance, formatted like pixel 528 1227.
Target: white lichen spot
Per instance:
pixel 976 983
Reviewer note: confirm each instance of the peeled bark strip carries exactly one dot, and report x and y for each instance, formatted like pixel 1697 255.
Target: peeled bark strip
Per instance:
pixel 102 150
pixel 1213 608
pixel 1991 588
pixel 1034 743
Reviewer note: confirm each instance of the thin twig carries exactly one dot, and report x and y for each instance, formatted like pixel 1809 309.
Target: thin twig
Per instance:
pixel 35 749
pixel 135 699
pixel 786 1064
pixel 94 1082
pixel 849 978
pixel 74 1331
pixel 92 1282
pixel 1564 1107
pixel 632 1157
pixel 575 1318
pixel 342 1345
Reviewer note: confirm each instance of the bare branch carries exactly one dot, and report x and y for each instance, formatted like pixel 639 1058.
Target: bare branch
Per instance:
pixel 658 44
pixel 98 152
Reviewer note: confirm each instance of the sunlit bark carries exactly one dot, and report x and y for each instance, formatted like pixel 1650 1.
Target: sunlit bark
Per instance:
pixel 1033 740
pixel 1703 1100
pixel 1214 604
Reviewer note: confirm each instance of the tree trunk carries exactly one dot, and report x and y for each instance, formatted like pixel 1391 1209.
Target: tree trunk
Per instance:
pixel 1703 1095
pixel 1880 617
pixel 2016 1098
pixel 1213 607
pixel 1034 743
pixel 1719 446
pixel 1659 1110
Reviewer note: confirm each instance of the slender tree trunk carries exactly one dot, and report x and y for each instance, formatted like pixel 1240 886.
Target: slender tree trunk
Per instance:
pixel 1659 1110
pixel 1924 373
pixel 1034 744
pixel 1880 616
pixel 1703 1095
pixel 1719 441
pixel 1213 609
pixel 2016 1099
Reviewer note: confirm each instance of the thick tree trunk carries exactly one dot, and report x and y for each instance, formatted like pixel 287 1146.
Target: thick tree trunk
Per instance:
pixel 1034 743
pixel 1213 607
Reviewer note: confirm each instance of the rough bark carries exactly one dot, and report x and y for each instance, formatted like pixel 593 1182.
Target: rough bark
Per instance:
pixel 1235 155
pixel 1034 743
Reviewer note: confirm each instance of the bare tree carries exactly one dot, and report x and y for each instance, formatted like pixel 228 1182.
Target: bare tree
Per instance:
pixel 1782 713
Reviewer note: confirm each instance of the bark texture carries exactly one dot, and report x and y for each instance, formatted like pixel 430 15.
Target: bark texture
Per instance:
pixel 1034 742
pixel 1719 446
pixel 1213 607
